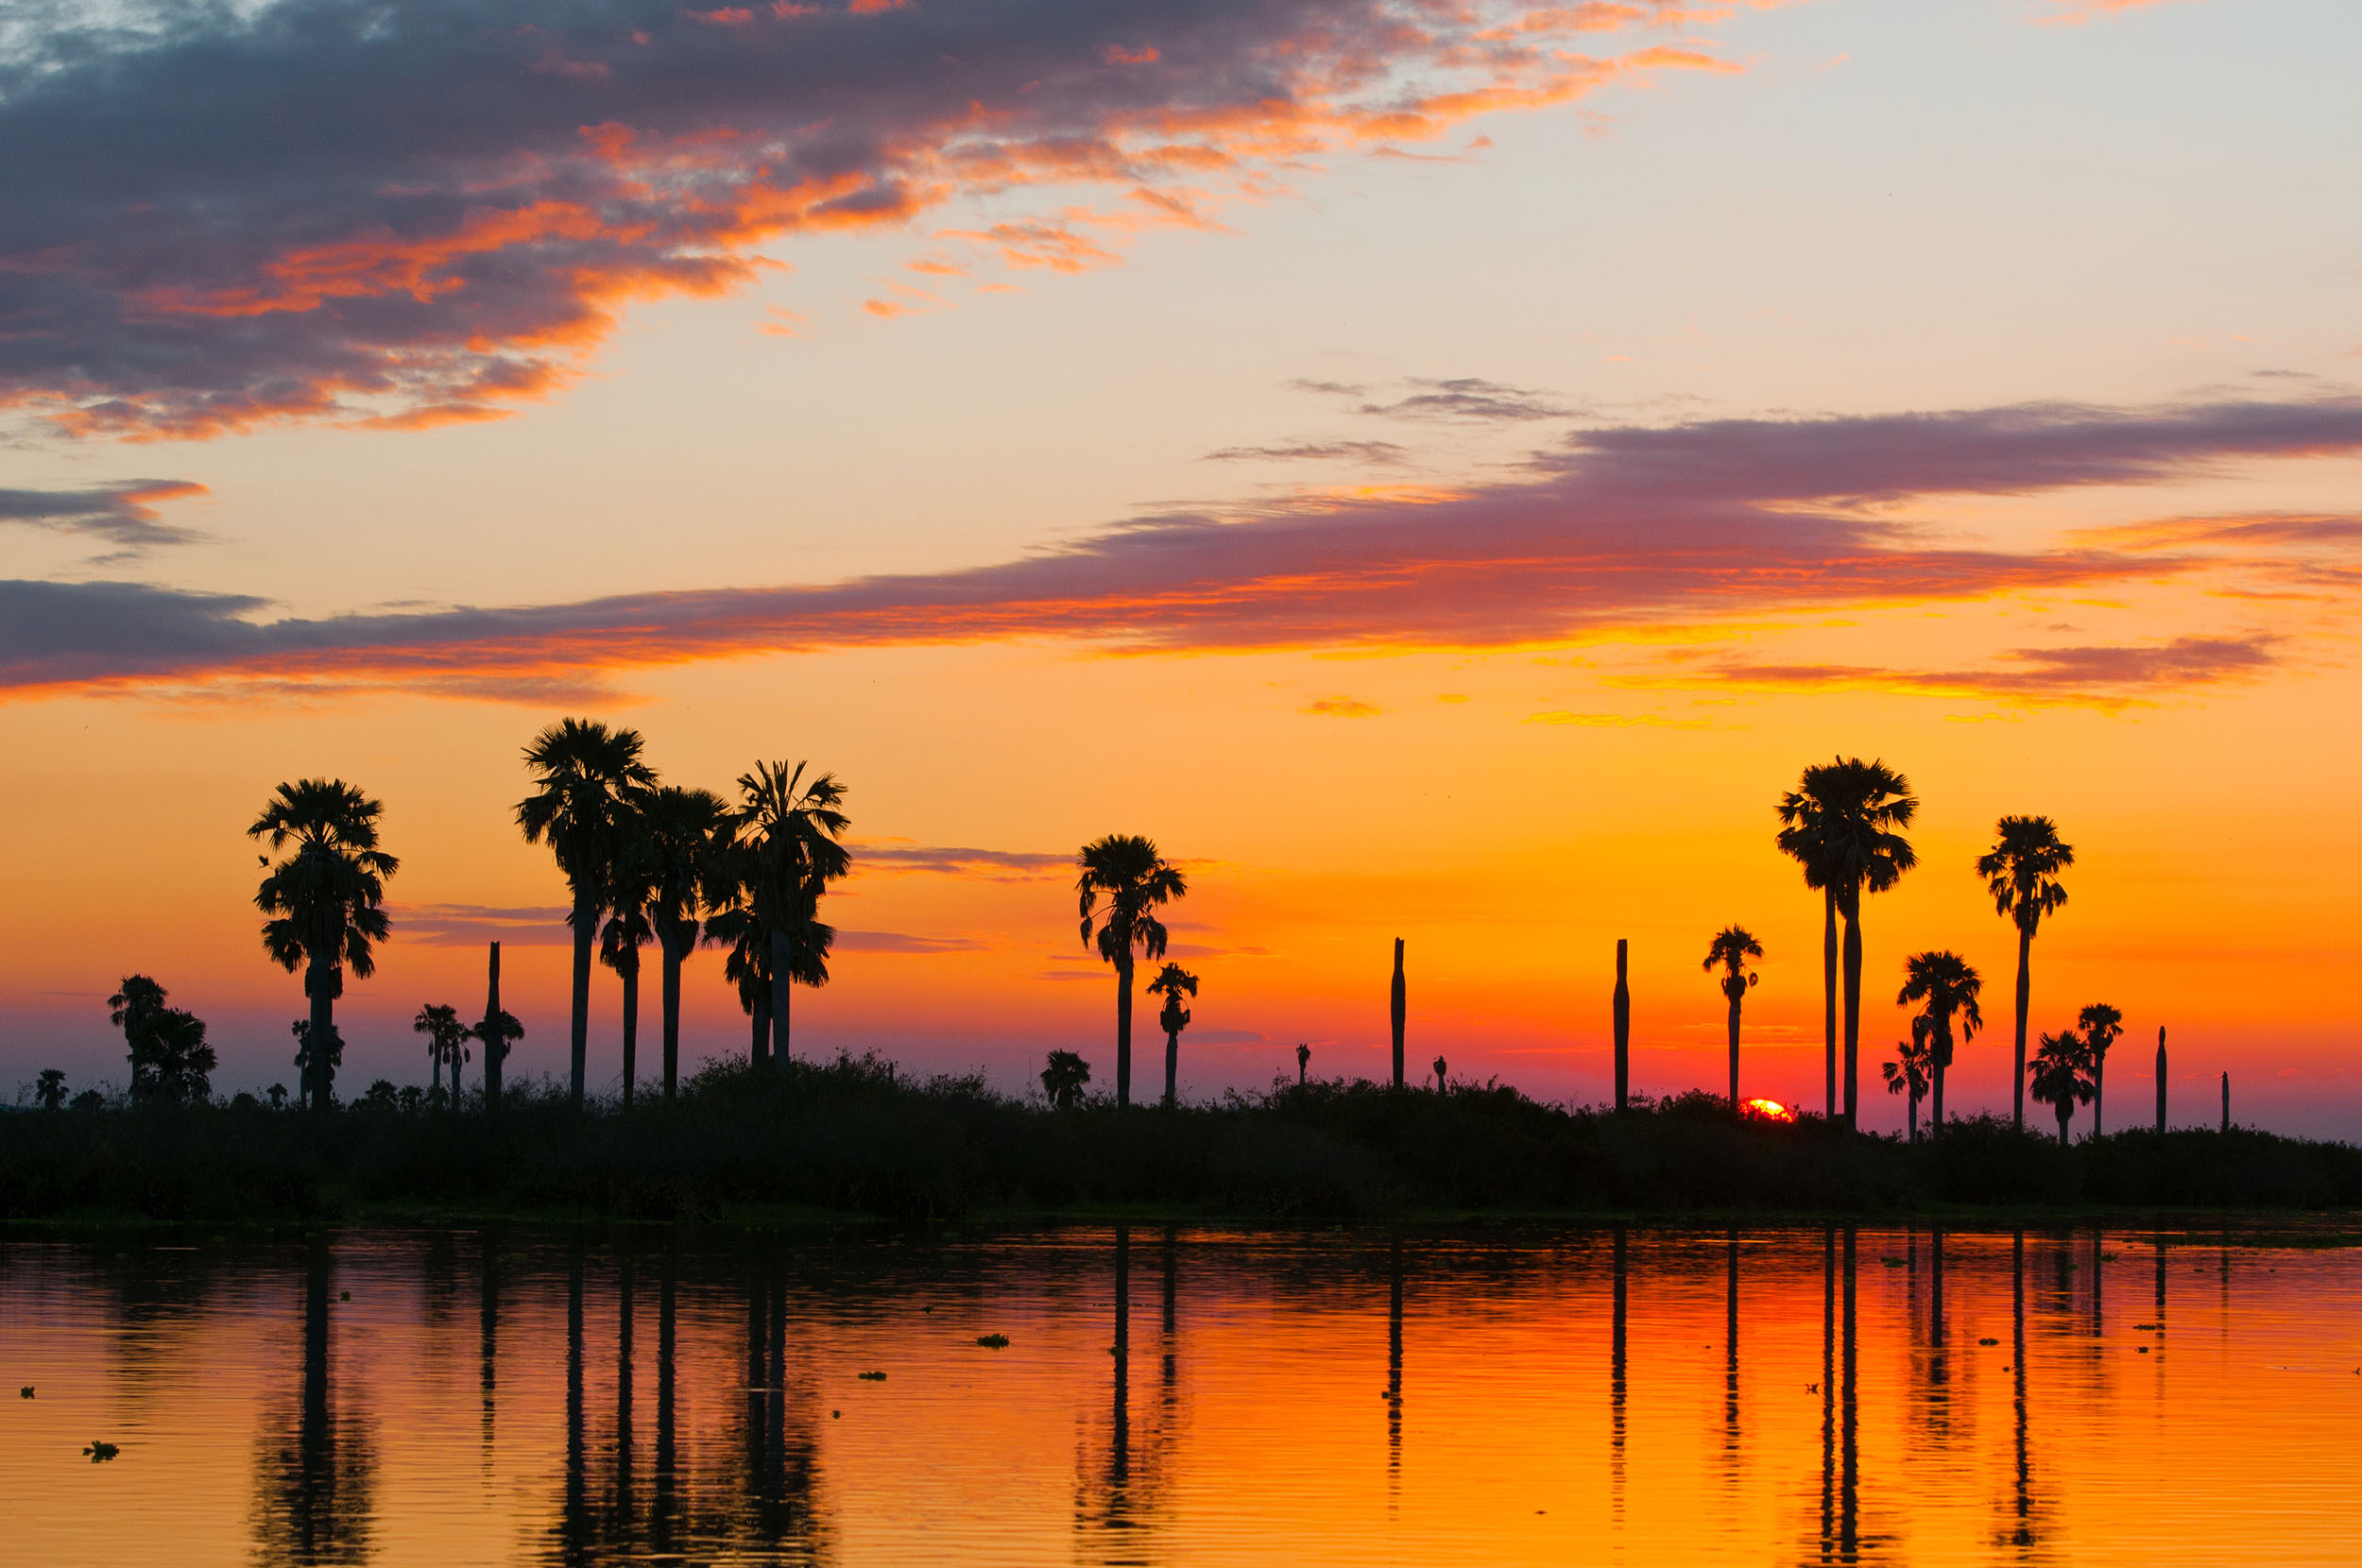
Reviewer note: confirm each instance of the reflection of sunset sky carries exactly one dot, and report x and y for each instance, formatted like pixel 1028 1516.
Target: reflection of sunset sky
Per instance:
pixel 1250 1405
pixel 1441 471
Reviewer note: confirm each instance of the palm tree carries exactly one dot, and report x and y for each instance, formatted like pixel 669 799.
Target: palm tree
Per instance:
pixel 326 899
pixel 1908 1074
pixel 1731 946
pixel 1946 986
pixel 446 1041
pixel 1064 1077
pixel 1172 981
pixel 171 1063
pixel 49 1089
pixel 1135 880
pixel 684 832
pixel 747 967
pixel 1304 1063
pixel 788 832
pixel 2021 871
pixel 2100 1025
pixel 629 929
pixel 1843 823
pixel 586 777
pixel 2061 1076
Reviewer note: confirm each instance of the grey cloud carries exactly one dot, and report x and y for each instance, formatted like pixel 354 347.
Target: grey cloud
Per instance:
pixel 1318 452
pixel 121 513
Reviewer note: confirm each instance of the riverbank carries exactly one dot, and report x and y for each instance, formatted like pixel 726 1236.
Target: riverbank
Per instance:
pixel 852 1139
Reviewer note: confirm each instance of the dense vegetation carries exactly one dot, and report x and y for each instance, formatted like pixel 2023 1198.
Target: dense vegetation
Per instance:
pixel 854 1137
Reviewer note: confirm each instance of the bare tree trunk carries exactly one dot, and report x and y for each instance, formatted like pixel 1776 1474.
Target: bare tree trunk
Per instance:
pixel 2024 995
pixel 1828 992
pixel 631 1022
pixel 1124 1028
pixel 1853 1012
pixel 586 926
pixel 2161 1078
pixel 1397 1008
pixel 1623 1028
pixel 495 1044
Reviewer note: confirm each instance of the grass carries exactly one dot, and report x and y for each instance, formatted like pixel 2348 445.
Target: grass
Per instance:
pixel 853 1137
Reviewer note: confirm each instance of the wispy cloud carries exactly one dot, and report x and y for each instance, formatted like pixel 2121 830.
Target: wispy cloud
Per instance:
pixel 122 515
pixel 473 925
pixel 1343 708
pixel 1314 451
pixel 1466 398
pixel 2093 676
pixel 1001 865
pixel 1621 531
pixel 899 942
pixel 174 262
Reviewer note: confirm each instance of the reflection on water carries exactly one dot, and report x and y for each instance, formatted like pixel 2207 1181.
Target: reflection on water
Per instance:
pixel 1830 1396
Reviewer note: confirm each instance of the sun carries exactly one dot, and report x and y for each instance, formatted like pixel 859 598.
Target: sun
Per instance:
pixel 1766 1110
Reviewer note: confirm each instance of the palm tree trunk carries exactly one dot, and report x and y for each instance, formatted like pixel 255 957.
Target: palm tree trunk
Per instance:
pixel 782 983
pixel 1942 1050
pixel 1853 1010
pixel 319 1078
pixel 434 1071
pixel 1735 995
pixel 2064 1112
pixel 2025 994
pixel 495 1045
pixel 759 1052
pixel 2099 1076
pixel 671 1006
pixel 1173 1064
pixel 631 1022
pixel 1828 991
pixel 1911 1113
pixel 586 928
pixel 1123 1029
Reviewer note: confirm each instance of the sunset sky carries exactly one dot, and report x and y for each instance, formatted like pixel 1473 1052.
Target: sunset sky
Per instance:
pixel 1439 468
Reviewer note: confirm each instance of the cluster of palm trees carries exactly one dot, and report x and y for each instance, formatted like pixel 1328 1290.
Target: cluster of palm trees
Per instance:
pixel 1843 824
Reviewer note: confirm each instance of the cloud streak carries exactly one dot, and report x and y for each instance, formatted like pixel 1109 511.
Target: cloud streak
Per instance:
pixel 122 515
pixel 448 202
pixel 2106 677
pixel 1613 532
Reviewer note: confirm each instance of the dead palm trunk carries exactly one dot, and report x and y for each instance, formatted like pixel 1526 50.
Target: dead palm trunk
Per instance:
pixel 2161 1078
pixel 1622 1003
pixel 2024 995
pixel 1828 992
pixel 1123 1026
pixel 586 924
pixel 495 1042
pixel 1396 1009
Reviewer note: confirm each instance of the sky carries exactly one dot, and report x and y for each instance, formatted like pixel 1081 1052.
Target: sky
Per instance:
pixel 1439 470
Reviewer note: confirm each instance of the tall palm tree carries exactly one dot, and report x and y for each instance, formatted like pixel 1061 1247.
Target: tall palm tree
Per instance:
pixel 2100 1025
pixel 2061 1076
pixel 586 777
pixel 1123 881
pixel 630 891
pixel 1172 981
pixel 1947 987
pixel 1842 822
pixel 2021 872
pixel 684 832
pixel 326 901
pixel 1731 946
pixel 446 1041
pixel 1909 1074
pixel 789 831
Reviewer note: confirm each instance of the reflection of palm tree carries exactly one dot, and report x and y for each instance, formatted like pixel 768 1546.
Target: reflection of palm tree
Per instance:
pixel 2021 872
pixel 2060 1076
pixel 1947 987
pixel 788 833
pixel 1126 870
pixel 326 901
pixel 587 778
pixel 1731 946
pixel 1909 1073
pixel 2100 1025
pixel 684 830
pixel 1172 981
pixel 1842 824
pixel 313 1502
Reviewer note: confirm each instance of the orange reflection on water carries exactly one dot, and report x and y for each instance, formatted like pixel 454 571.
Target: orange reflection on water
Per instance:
pixel 1186 1396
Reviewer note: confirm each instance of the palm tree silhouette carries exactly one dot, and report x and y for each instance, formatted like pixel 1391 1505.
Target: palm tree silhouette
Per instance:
pixel 1064 1077
pixel 748 966
pixel 1842 824
pixel 684 830
pixel 1731 946
pixel 2100 1025
pixel 171 1063
pixel 1909 1073
pixel 788 832
pixel 326 899
pixel 49 1089
pixel 446 1041
pixel 2061 1077
pixel 1304 1063
pixel 587 778
pixel 1133 879
pixel 1946 986
pixel 1172 981
pixel 2021 871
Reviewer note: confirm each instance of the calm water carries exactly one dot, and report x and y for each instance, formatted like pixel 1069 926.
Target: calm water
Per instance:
pixel 1191 1396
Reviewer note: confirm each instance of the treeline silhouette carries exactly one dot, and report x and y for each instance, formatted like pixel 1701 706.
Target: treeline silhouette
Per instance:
pixel 854 1136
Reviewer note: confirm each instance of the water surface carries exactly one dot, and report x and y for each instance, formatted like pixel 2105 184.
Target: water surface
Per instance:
pixel 1185 1396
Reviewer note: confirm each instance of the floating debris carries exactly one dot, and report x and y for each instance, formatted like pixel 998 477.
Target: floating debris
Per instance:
pixel 872 1376
pixel 1987 1341
pixel 2151 1328
pixel 25 1393
pixel 993 1341
pixel 836 1415
pixel 102 1451
pixel 344 1295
